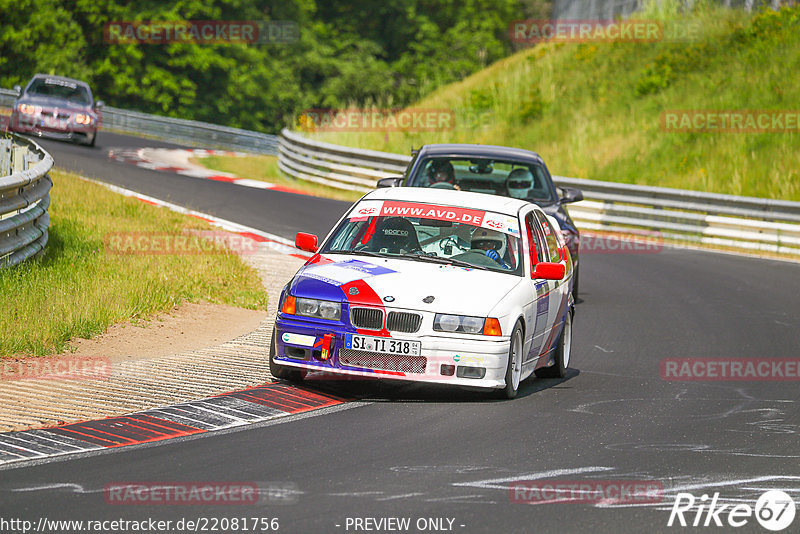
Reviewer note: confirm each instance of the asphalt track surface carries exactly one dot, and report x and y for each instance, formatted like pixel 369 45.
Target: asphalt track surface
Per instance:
pixel 413 452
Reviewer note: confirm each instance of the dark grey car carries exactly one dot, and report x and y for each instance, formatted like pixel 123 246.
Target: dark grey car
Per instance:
pixel 495 170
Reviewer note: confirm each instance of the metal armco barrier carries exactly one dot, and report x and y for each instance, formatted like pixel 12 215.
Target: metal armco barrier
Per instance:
pixel 187 132
pixel 336 166
pixel 690 218
pixel 24 199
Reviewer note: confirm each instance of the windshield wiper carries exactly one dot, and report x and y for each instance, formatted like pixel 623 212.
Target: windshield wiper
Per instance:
pixel 356 252
pixel 442 261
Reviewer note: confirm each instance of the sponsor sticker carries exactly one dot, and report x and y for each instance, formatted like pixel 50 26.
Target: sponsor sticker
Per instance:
pixel 496 221
pixel 501 223
pixel 468 360
pixel 366 209
pixel 298 339
pixel 344 272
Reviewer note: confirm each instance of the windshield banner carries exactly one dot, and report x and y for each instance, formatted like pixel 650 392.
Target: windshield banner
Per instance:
pixel 485 219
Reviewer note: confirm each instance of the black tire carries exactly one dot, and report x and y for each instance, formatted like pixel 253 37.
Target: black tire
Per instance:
pixel 562 355
pixel 86 141
pixel 279 371
pixel 575 280
pixel 514 366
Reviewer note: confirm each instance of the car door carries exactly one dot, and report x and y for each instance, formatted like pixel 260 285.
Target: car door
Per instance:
pixel 537 313
pixel 558 290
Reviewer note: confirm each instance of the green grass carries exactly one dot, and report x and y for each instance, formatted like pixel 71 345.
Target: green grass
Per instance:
pixel 78 288
pixel 592 110
pixel 265 168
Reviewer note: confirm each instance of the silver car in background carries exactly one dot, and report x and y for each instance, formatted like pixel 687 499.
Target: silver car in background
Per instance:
pixel 56 107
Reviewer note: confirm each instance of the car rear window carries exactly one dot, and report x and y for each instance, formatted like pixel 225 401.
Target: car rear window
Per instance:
pixel 483 175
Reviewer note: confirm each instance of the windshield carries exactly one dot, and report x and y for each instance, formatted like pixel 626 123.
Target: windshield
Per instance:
pixel 483 175
pixel 431 233
pixel 64 89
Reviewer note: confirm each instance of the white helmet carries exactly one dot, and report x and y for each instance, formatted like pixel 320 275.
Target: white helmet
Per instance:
pixel 519 182
pixel 484 239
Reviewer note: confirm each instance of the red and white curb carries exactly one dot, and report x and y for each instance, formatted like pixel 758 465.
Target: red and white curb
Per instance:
pixel 272 241
pixel 238 408
pixel 178 161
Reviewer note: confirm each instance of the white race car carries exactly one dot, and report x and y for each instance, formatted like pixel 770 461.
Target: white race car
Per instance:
pixel 431 286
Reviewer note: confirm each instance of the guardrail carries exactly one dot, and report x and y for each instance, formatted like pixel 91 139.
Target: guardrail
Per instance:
pixel 336 166
pixel 673 215
pixel 187 132
pixel 24 199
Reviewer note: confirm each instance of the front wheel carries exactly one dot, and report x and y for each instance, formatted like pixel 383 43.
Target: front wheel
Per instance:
pixel 563 352
pixel 514 367
pixel 281 371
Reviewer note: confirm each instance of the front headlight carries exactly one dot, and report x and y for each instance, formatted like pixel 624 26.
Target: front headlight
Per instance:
pixel 458 323
pixel 83 119
pixel 321 309
pixel 27 109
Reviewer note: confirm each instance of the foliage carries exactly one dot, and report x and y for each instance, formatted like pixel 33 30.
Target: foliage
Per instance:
pixel 350 52
pixel 594 110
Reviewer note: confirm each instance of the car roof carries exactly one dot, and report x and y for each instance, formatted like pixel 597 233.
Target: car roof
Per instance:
pixel 449 197
pixel 464 149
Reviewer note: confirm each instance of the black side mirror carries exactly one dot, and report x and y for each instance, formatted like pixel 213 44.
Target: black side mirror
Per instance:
pixel 392 181
pixel 570 194
pixel 17 89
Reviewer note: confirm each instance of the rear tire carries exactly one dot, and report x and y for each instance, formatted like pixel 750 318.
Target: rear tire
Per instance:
pixel 278 371
pixel 563 353
pixel 514 366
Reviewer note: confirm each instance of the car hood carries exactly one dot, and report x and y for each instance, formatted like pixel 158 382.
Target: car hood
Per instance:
pixel 51 102
pixel 404 284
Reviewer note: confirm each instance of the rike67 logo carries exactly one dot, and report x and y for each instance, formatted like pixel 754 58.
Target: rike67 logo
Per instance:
pixel 774 510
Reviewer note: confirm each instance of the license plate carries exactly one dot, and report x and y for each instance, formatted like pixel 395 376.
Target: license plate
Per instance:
pixel 382 344
pixel 54 122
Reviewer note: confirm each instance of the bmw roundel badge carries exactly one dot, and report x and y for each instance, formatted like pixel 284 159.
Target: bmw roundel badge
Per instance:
pixel 388 298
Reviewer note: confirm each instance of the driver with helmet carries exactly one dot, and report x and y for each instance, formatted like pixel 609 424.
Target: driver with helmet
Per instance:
pixel 442 172
pixel 519 182
pixel 491 243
